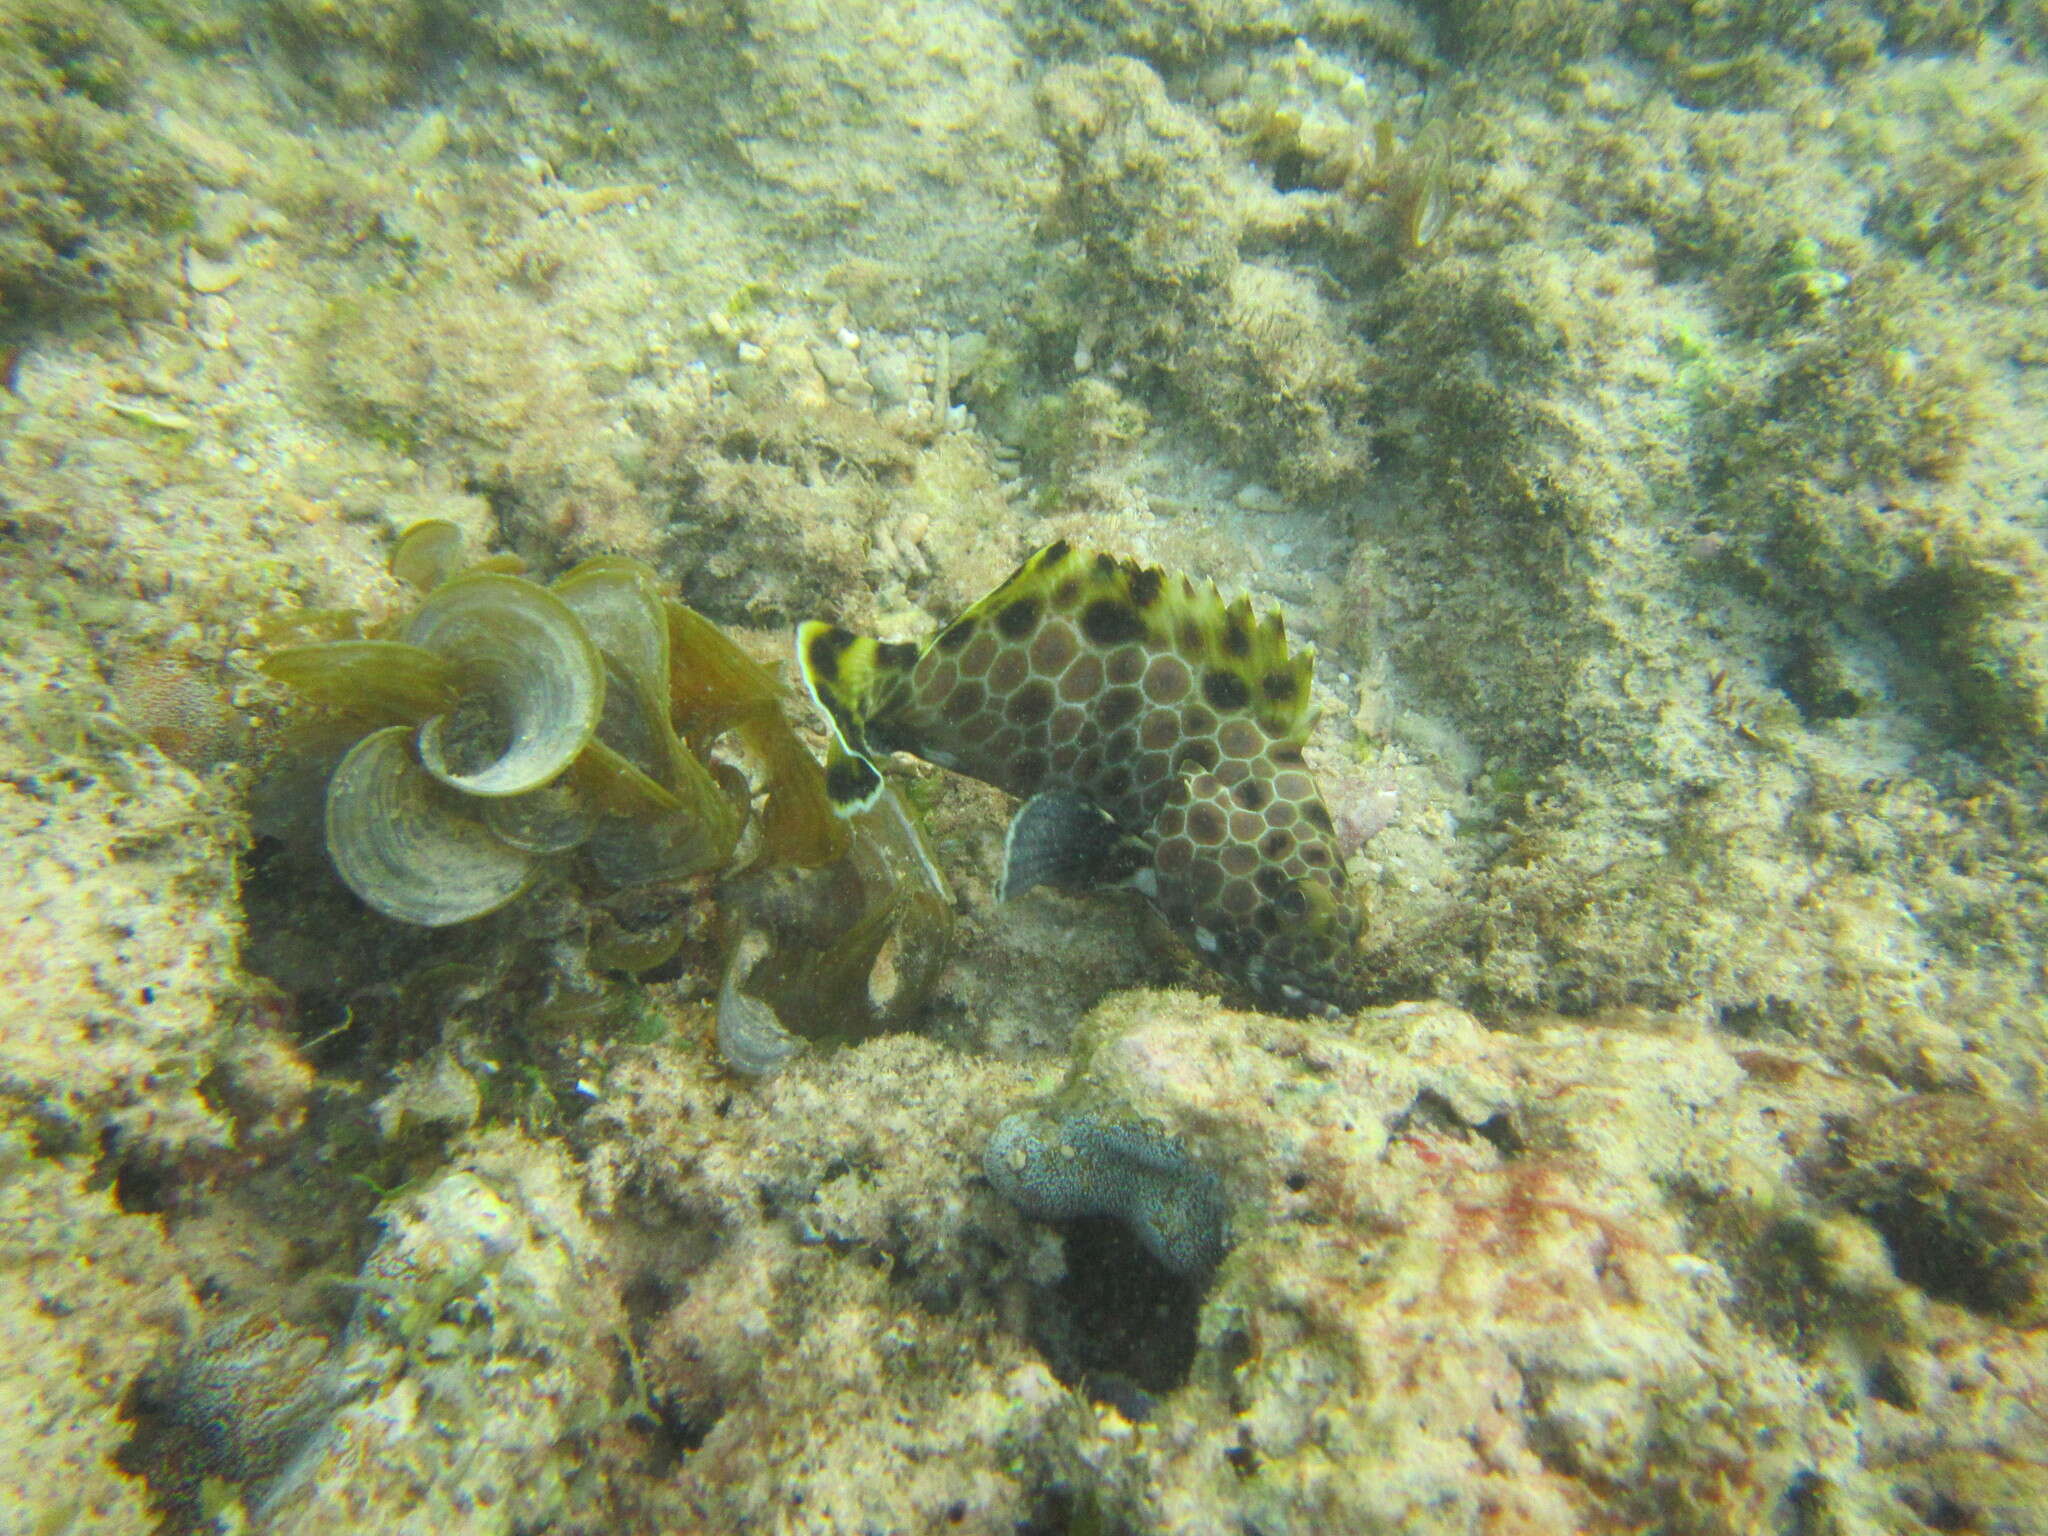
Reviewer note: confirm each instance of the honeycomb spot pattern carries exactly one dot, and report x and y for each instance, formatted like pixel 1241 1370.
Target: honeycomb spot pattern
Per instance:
pixel 1180 717
pixel 1167 680
pixel 1055 646
pixel 979 653
pixel 1082 681
pixel 1244 878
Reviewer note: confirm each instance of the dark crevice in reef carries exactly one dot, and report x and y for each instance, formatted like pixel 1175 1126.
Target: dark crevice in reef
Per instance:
pixel 1121 1326
pixel 674 1431
pixel 1930 1249
pixel 1062 1509
pixel 672 1425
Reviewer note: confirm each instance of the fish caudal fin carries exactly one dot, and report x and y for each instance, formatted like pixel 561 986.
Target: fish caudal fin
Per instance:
pixel 1066 841
pixel 850 677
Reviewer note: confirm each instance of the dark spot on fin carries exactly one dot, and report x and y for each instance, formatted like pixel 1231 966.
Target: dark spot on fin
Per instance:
pixel 823 645
pixel 852 783
pixel 1066 841
pixel 1020 618
pixel 1108 621
pixel 1225 690
pixel 839 669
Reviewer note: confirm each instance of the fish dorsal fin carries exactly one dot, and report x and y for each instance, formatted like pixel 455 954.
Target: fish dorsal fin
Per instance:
pixel 1236 643
pixel 850 677
pixel 1066 841
pixel 1118 600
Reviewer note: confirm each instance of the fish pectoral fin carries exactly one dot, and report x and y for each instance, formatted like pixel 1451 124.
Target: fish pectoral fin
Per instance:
pixel 1067 841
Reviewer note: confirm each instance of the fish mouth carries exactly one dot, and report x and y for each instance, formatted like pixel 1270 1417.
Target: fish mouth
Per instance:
pixel 1297 995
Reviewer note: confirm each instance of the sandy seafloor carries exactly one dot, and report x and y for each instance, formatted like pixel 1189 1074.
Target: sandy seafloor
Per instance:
pixel 1643 409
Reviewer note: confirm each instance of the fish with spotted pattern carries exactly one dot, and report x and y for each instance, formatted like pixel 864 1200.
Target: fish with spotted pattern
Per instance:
pixel 1154 733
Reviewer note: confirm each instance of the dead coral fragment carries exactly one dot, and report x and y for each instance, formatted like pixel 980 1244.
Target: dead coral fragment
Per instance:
pixel 1959 1188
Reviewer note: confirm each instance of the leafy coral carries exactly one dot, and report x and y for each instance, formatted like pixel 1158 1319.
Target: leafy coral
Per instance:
pixel 603 748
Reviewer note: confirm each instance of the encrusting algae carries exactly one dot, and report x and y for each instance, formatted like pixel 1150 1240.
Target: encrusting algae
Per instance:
pixel 1154 733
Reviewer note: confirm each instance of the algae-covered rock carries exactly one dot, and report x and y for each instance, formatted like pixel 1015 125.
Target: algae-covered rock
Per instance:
pixel 1541 32
pixel 1160 211
pixel 1637 405
pixel 1279 383
pixel 95 196
pixel 1143 180
pixel 123 989
pixel 821 1262
pixel 487 1334
pixel 366 55
pixel 87 1295
pixel 1167 35
pixel 854 112
pixel 232 1407
pixel 1956 1185
pixel 1475 1271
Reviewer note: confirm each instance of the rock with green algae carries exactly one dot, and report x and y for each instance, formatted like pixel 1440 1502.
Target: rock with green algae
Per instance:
pixel 824 1328
pixel 123 990
pixel 87 1294
pixel 1478 1275
pixel 232 1408
pixel 1958 1185
pixel 1737 602
pixel 1166 34
pixel 1163 213
pixel 487 1334
pixel 847 113
pixel 363 56
pixel 1573 1274
pixel 95 196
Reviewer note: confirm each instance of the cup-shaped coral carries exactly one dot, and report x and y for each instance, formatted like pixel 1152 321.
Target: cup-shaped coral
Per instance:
pixel 407 846
pixel 532 684
pixel 519 724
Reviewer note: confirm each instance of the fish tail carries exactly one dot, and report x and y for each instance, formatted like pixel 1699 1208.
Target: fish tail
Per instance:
pixel 852 678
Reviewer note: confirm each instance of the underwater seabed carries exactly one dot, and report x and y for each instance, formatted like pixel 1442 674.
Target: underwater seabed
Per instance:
pixel 457 1073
